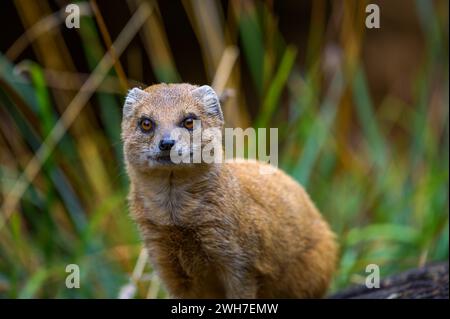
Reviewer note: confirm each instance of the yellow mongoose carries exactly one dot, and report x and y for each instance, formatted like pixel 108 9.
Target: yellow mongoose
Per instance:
pixel 219 230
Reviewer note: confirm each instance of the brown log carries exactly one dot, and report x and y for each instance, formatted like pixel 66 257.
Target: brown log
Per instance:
pixel 428 282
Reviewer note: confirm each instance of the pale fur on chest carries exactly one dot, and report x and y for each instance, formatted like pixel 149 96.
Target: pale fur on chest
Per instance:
pixel 179 199
pixel 185 225
pixel 166 203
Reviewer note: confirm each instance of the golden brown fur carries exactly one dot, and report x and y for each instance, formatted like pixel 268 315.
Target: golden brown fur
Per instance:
pixel 223 230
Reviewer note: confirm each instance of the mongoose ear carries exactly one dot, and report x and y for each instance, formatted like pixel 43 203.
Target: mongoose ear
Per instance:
pixel 209 99
pixel 133 96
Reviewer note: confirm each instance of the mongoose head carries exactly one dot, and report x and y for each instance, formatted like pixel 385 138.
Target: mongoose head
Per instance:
pixel 159 122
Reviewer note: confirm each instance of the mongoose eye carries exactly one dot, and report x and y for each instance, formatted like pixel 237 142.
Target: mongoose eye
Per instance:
pixel 146 125
pixel 188 123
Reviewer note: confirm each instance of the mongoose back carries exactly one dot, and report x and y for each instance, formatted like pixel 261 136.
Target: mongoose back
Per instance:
pixel 218 230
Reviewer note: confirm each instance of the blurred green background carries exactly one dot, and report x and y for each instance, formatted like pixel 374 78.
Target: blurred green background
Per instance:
pixel 362 117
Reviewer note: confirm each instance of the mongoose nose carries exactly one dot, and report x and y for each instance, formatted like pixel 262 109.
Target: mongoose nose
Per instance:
pixel 166 145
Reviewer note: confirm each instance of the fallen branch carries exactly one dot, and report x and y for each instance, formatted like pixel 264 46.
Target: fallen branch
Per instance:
pixel 428 282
